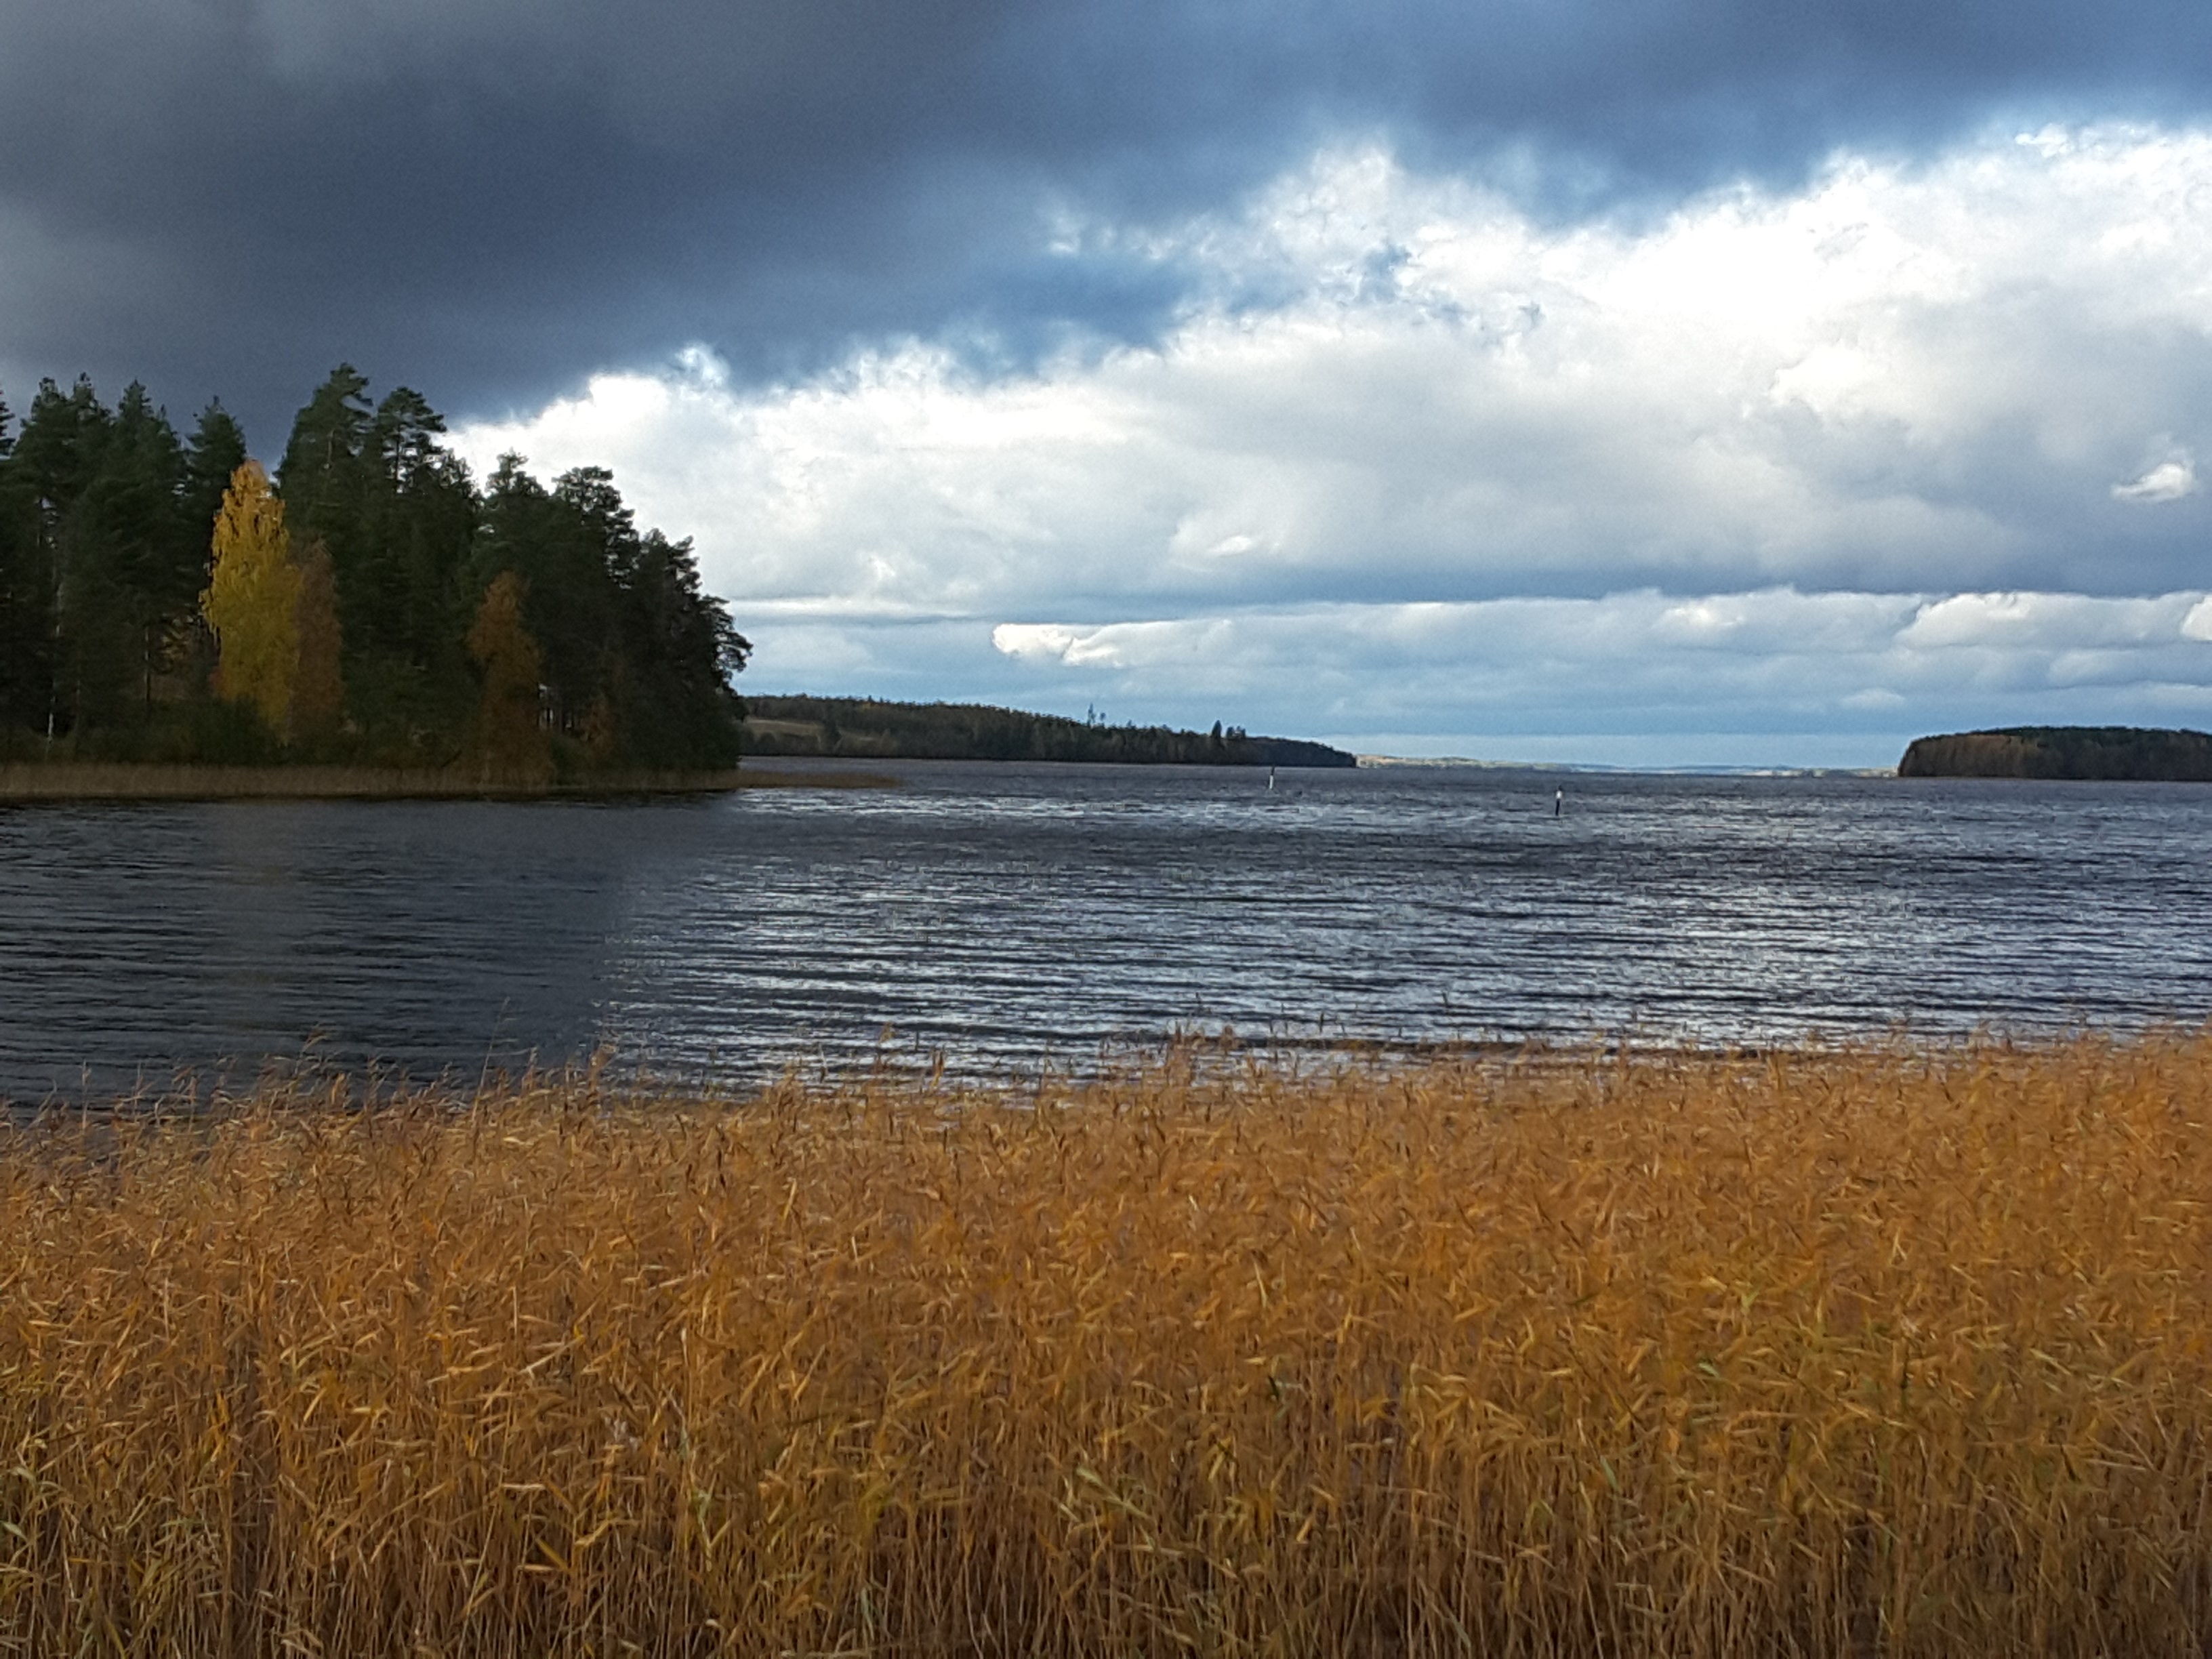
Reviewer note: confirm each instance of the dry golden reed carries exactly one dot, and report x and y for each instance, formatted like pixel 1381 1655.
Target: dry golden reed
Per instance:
pixel 1855 1353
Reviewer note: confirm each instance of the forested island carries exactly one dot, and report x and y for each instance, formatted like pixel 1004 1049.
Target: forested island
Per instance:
pixel 164 599
pixel 2115 752
pixel 863 727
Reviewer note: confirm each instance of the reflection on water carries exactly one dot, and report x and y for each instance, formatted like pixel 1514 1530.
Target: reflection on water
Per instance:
pixel 1007 914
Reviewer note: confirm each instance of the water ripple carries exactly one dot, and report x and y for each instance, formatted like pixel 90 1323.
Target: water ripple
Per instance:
pixel 1005 914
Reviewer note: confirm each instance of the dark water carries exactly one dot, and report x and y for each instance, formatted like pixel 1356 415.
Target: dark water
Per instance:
pixel 1006 915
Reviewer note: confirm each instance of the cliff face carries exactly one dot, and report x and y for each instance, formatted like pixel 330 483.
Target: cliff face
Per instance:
pixel 2124 753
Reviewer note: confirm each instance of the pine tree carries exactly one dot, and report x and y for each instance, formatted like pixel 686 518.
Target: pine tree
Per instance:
pixel 23 632
pixel 321 472
pixel 133 578
pixel 398 513
pixel 554 544
pixel 253 600
pixel 59 446
pixel 215 450
pixel 421 528
pixel 318 687
pixel 679 650
pixel 57 454
pixel 510 739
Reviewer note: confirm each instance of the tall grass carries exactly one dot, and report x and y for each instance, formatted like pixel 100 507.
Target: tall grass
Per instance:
pixel 1857 1353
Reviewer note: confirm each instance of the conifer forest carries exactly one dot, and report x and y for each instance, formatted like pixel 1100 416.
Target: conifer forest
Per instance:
pixel 164 598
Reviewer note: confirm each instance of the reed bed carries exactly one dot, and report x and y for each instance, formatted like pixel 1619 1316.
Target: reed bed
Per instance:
pixel 1867 1353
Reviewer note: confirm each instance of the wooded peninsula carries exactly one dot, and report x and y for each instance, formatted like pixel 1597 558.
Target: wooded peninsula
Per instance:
pixel 163 599
pixel 173 617
pixel 949 731
pixel 2118 753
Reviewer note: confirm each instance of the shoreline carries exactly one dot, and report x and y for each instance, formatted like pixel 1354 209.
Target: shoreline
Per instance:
pixel 32 783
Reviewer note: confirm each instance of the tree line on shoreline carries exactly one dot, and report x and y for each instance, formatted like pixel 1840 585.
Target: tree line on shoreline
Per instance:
pixel 871 728
pixel 163 598
pixel 2120 753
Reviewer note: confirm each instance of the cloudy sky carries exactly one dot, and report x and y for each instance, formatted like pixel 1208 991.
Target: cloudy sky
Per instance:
pixel 1673 381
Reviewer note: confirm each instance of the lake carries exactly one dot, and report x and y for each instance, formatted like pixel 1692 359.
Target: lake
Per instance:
pixel 1009 915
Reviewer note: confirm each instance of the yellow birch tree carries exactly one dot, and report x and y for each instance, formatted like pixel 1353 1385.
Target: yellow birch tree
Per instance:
pixel 252 603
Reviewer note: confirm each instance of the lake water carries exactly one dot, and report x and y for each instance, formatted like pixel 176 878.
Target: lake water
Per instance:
pixel 1009 915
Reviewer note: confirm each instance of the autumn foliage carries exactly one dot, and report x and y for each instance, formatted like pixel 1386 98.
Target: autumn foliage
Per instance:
pixel 1819 1354
pixel 253 600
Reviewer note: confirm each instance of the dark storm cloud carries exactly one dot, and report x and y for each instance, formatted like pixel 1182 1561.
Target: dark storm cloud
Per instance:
pixel 489 198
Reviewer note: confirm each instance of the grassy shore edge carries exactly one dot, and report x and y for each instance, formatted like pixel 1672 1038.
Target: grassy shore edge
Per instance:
pixel 1891 1351
pixel 123 781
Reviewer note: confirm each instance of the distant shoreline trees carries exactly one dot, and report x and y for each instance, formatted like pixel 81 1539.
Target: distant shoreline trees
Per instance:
pixel 869 728
pixel 2147 754
pixel 162 598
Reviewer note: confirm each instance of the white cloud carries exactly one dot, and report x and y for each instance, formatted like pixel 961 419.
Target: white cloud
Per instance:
pixel 1398 403
pixel 1813 649
pixel 2168 480
pixel 1877 664
pixel 2047 621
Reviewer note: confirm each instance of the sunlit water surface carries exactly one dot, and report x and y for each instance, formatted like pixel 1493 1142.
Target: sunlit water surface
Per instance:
pixel 1009 915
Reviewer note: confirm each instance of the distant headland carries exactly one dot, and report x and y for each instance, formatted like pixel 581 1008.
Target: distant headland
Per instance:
pixel 865 728
pixel 2115 752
